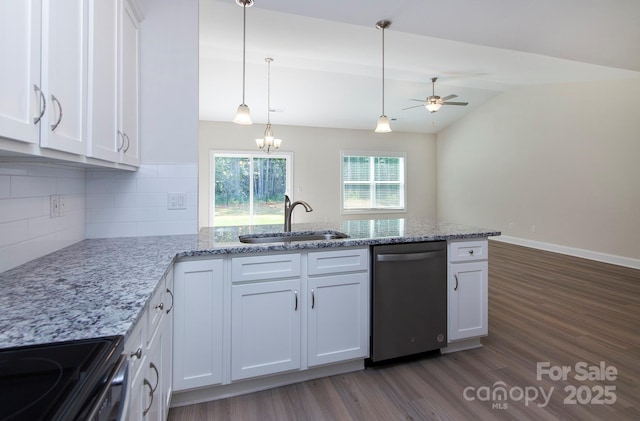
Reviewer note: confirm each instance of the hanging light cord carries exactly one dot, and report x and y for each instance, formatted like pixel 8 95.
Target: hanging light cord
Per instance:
pixel 244 42
pixel 382 70
pixel 269 91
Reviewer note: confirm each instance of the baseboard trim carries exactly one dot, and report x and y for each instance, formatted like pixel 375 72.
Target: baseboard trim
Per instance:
pixel 572 251
pixel 210 393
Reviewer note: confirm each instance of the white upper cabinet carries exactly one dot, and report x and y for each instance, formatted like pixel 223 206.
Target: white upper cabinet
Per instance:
pixel 129 88
pixel 63 76
pixel 113 82
pixel 20 88
pixel 104 140
pixel 69 80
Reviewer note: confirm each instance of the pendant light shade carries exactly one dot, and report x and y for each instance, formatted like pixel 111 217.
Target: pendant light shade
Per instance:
pixel 268 142
pixel 243 115
pixel 383 125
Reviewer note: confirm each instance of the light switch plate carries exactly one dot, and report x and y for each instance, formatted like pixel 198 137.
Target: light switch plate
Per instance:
pixel 176 201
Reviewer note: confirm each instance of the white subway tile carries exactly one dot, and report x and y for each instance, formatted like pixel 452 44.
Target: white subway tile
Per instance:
pixel 5 186
pixel 13 232
pixel 21 208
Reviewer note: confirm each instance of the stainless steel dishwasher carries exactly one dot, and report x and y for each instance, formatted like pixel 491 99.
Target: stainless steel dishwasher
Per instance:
pixel 409 299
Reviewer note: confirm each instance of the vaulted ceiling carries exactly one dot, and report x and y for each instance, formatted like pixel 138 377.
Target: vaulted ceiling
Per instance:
pixel 327 55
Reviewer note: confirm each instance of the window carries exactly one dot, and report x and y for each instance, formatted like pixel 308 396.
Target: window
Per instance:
pixel 373 181
pixel 248 189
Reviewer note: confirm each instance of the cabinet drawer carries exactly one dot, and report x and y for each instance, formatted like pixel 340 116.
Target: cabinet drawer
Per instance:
pixel 336 261
pixel 155 311
pixel 466 251
pixel 135 347
pixel 255 268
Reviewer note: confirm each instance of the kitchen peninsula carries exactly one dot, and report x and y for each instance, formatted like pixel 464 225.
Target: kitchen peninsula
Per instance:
pixel 104 287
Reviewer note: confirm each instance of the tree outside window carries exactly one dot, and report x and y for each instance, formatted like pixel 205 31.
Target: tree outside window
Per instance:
pixel 249 189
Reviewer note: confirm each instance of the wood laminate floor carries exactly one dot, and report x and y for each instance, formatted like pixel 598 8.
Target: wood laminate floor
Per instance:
pixel 543 307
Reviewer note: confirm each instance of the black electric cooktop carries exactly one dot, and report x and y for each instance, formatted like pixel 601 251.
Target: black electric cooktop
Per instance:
pixel 54 381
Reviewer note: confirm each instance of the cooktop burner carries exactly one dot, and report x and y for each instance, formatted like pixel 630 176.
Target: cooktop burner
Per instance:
pixel 46 382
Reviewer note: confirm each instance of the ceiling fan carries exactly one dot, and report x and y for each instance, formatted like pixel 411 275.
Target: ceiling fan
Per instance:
pixel 434 102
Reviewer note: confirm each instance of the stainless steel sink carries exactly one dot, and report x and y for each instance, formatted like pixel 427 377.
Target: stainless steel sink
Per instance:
pixel 279 237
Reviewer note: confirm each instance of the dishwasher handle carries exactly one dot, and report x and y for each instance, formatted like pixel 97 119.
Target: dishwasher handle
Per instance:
pixel 404 257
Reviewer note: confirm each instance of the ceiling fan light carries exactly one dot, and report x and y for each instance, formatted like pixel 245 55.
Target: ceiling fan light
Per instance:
pixel 243 115
pixel 433 106
pixel 383 125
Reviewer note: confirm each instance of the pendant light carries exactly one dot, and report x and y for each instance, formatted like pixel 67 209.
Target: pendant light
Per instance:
pixel 383 125
pixel 268 141
pixel 243 115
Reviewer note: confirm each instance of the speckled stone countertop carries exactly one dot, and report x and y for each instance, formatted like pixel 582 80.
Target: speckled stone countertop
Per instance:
pixel 100 287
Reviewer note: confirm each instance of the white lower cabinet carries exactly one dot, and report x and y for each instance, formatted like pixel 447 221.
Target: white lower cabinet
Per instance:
pixel 149 348
pixel 338 306
pixel 265 328
pixel 245 317
pixel 468 289
pixel 338 318
pixel 198 324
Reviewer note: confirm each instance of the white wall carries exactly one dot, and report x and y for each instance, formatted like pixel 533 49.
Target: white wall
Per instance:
pixel 316 159
pixel 26 229
pixel 169 81
pixel 562 158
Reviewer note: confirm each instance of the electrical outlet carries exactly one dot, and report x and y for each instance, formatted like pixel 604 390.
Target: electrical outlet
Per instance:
pixel 62 205
pixel 176 201
pixel 54 206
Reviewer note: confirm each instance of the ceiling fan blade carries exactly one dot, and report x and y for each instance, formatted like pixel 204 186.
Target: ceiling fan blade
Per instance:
pixel 419 100
pixel 455 103
pixel 415 106
pixel 448 97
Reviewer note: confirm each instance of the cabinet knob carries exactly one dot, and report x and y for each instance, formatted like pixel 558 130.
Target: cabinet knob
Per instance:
pixel 159 306
pixel 470 251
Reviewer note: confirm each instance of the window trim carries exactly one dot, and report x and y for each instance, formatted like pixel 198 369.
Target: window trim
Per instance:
pixel 242 154
pixel 374 154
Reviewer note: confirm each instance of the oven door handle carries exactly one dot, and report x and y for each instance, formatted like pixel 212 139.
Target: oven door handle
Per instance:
pixel 119 377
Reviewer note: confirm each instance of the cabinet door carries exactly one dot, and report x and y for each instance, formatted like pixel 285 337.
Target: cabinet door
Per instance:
pixel 198 318
pixel 167 345
pixel 102 122
pixel 265 328
pixel 338 318
pixel 154 403
pixel 64 74
pixel 20 99
pixel 139 394
pixel 468 311
pixel 129 79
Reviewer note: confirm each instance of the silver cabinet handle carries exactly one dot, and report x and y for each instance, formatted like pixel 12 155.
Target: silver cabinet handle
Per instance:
pixel 455 275
pixel 296 295
pixel 120 135
pixel 137 354
pixel 171 307
pixel 403 257
pixel 152 365
pixel 313 299
pixel 159 306
pixel 128 143
pixel 43 107
pixel 55 100
pixel 146 410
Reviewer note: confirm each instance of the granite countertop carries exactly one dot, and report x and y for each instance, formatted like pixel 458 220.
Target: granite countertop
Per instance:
pixel 100 287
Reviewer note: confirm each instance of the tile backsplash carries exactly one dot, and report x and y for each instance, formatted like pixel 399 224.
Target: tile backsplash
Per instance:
pixel 97 203
pixel 28 228
pixel 124 204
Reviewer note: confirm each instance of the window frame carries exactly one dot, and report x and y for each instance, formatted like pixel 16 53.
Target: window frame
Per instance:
pixel 374 154
pixel 244 154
